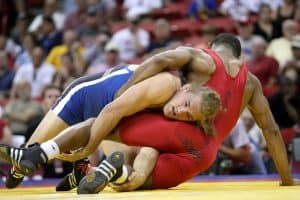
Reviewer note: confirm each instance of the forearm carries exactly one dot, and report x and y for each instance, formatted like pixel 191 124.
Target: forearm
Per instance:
pixel 240 154
pixel 145 161
pixel 103 125
pixel 277 150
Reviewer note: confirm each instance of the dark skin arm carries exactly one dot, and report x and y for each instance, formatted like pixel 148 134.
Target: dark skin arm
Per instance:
pixel 259 107
pixel 181 57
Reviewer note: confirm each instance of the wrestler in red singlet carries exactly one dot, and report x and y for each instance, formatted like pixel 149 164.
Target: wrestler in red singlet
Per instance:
pixel 185 150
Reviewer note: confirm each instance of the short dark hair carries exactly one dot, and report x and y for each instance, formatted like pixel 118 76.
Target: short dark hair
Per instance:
pixel 50 87
pixel 229 40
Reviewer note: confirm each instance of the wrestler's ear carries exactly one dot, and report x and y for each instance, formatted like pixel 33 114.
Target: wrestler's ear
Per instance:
pixel 187 87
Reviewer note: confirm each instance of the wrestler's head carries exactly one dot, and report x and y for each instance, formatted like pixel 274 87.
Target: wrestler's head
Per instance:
pixel 228 40
pixel 194 103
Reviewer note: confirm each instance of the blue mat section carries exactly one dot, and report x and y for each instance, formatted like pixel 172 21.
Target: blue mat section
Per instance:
pixel 53 182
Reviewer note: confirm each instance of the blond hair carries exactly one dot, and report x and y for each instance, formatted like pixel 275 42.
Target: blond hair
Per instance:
pixel 210 106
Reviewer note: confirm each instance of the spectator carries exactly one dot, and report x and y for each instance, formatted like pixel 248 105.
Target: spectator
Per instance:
pixel 38 73
pixel 295 62
pixel 67 72
pixel 264 26
pixel 29 42
pixel 284 12
pixel 50 10
pixel 49 95
pixel 138 8
pixel 162 35
pixel 75 19
pixel 6 75
pixel 8 45
pixel 20 29
pixel 49 37
pixel 91 28
pixel 254 132
pixel 265 68
pixel 22 112
pixel 202 9
pixel 111 59
pixel 105 8
pixel 236 9
pixel 243 156
pixel 132 41
pixel 94 54
pixel 246 37
pixel 280 48
pixel 69 45
pixel 285 104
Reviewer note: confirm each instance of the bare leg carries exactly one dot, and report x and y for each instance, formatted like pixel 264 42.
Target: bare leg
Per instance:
pixel 50 126
pixel 74 137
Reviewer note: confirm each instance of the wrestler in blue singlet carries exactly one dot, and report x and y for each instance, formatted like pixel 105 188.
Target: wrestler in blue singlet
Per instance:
pixel 87 96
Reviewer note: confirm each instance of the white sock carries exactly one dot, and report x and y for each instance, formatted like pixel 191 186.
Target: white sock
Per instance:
pixel 50 148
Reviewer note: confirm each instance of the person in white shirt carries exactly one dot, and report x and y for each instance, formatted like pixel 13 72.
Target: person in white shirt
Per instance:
pixel 242 154
pixel 50 9
pixel 132 40
pixel 141 7
pixel 37 73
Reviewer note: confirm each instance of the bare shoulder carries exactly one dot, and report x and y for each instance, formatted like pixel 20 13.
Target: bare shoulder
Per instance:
pixel 253 81
pixel 201 61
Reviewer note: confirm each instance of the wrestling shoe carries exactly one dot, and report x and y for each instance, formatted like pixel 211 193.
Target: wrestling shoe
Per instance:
pixel 26 160
pixel 14 178
pixel 109 169
pixel 71 180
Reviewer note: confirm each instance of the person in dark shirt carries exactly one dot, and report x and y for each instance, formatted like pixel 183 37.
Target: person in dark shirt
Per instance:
pixel 6 75
pixel 285 104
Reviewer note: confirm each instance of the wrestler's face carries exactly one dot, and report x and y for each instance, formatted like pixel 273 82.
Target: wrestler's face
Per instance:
pixel 184 105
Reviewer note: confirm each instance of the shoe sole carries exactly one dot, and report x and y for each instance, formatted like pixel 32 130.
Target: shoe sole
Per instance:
pixel 94 182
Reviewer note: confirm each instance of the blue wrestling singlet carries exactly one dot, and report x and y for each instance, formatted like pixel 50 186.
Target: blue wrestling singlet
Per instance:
pixel 86 97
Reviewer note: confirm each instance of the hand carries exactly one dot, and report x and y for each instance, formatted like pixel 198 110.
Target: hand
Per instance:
pixel 295 182
pixel 135 180
pixel 79 154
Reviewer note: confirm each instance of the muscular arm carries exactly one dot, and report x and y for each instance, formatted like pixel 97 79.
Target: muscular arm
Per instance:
pixel 168 60
pixel 153 91
pixel 261 112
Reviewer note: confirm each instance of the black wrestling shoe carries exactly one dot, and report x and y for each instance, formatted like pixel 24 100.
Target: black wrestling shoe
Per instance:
pixel 108 170
pixel 14 178
pixel 71 180
pixel 26 160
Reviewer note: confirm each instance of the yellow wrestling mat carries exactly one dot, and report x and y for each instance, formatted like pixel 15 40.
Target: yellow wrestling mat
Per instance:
pixel 252 190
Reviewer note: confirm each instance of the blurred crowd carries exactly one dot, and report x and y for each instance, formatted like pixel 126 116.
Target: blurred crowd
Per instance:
pixel 46 44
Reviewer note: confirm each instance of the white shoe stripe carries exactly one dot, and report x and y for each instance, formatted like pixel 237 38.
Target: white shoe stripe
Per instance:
pixel 111 174
pixel 110 166
pixel 103 172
